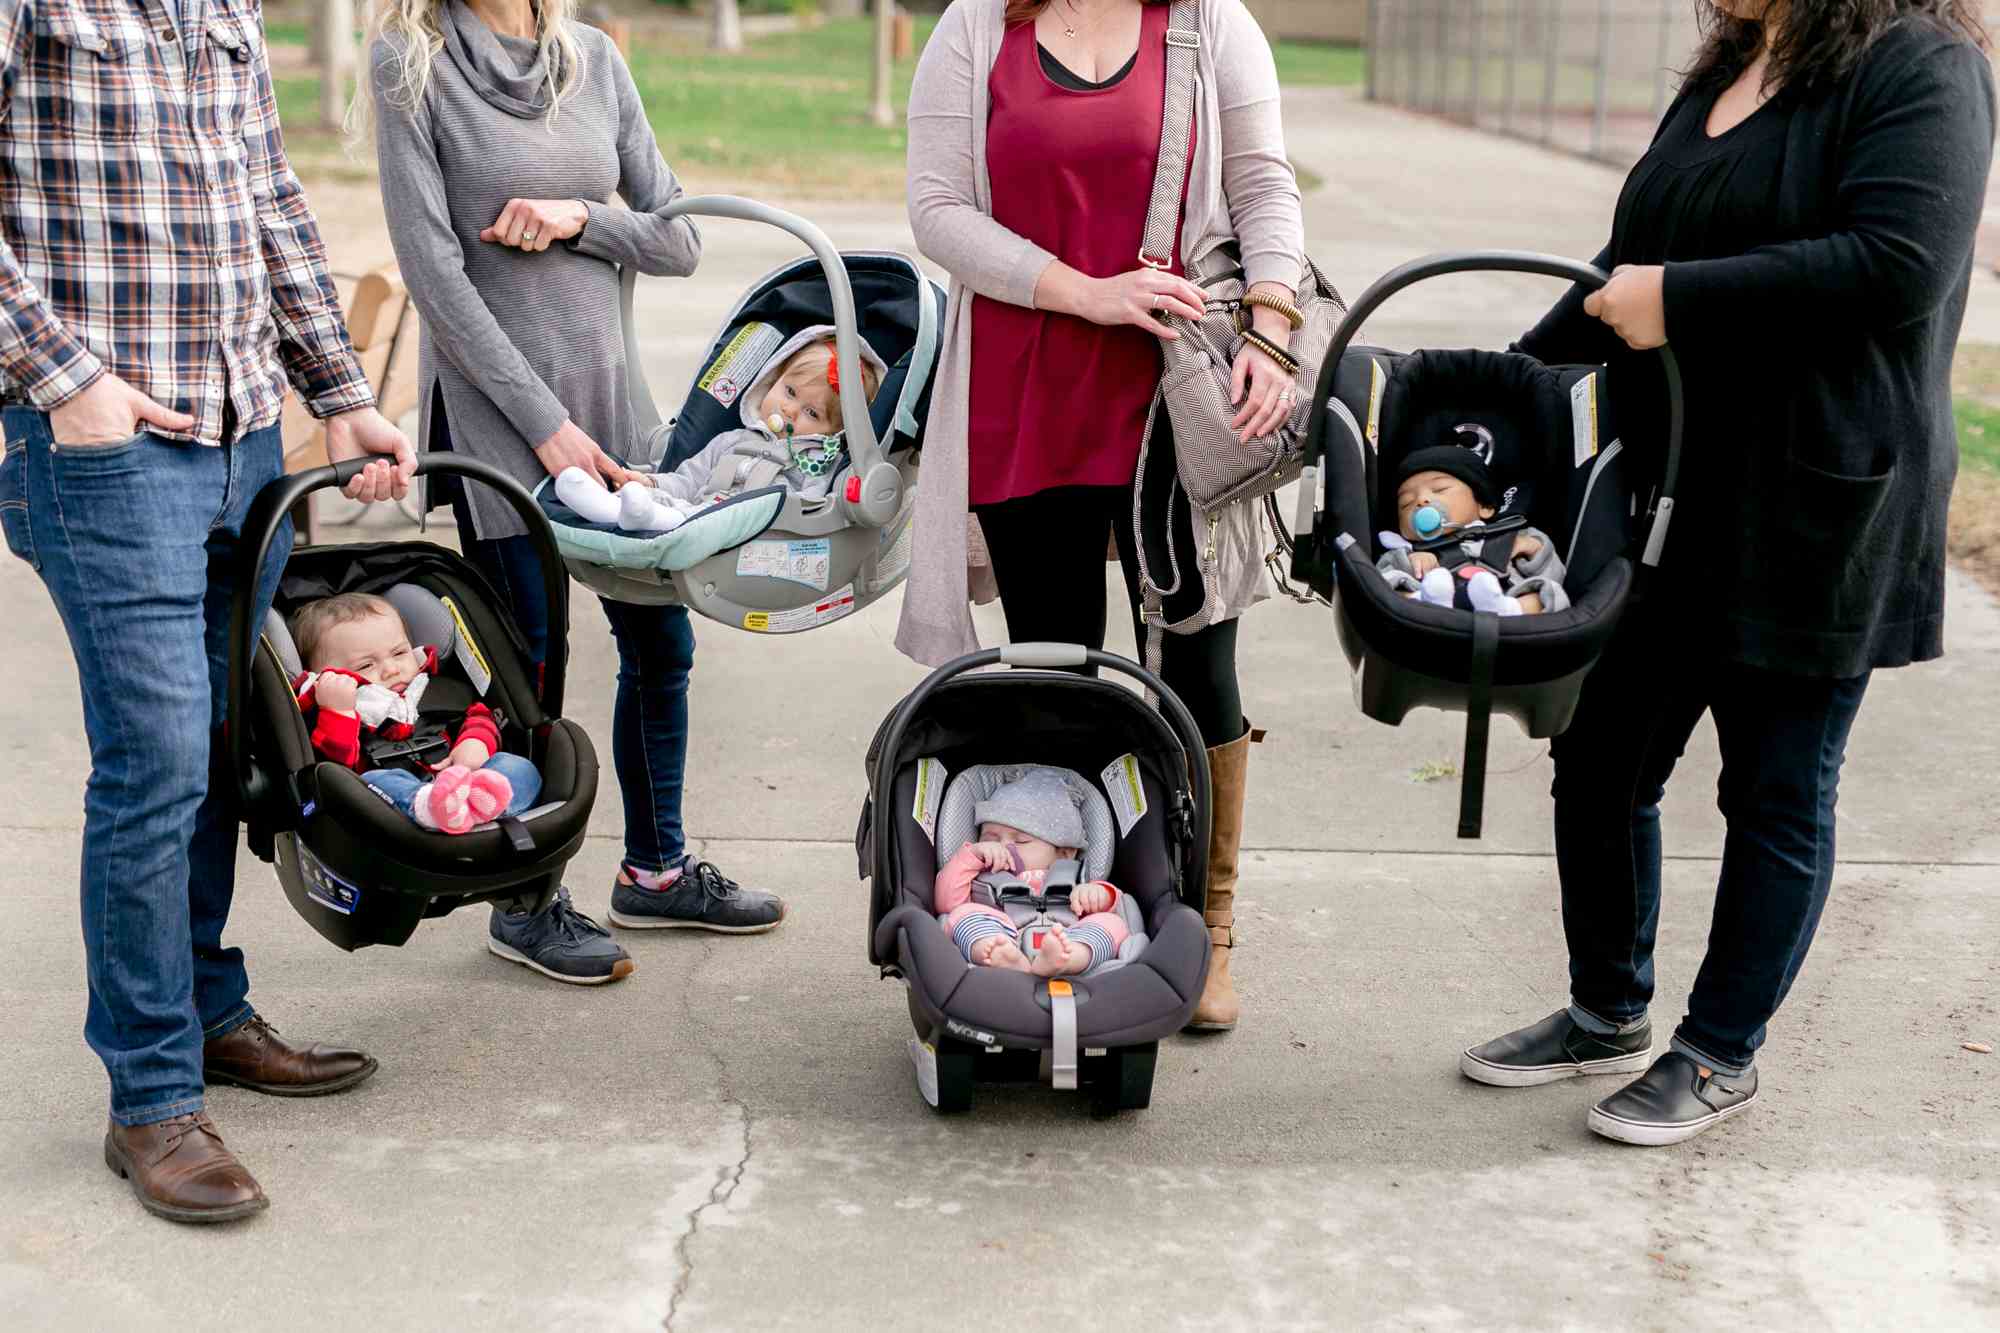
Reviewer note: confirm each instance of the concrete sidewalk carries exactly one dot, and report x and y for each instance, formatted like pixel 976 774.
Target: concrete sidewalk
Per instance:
pixel 732 1138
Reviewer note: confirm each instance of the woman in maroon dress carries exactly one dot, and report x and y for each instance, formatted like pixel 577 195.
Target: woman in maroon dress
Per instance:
pixel 1034 140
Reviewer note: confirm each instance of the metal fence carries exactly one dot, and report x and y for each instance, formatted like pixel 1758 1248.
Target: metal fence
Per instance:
pixel 1588 76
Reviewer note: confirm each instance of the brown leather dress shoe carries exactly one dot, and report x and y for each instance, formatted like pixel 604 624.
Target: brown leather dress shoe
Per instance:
pixel 254 1056
pixel 180 1170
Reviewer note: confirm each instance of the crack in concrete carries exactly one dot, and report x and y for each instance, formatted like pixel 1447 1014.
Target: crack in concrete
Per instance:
pixel 727 1178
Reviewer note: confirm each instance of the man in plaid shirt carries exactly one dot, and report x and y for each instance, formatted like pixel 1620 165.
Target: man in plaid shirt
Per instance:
pixel 160 279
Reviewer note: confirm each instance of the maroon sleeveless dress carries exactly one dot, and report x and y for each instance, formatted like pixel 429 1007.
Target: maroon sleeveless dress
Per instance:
pixel 1057 400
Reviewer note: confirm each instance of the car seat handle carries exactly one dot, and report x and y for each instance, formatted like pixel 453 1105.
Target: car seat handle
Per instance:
pixel 880 496
pixel 1313 551
pixel 260 532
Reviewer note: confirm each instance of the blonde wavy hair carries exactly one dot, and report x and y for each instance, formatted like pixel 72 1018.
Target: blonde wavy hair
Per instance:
pixel 416 28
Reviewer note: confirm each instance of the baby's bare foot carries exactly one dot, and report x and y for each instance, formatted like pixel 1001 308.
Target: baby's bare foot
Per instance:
pixel 1053 958
pixel 1005 953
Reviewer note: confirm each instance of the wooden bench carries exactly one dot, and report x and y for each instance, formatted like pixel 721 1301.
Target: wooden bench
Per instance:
pixel 382 324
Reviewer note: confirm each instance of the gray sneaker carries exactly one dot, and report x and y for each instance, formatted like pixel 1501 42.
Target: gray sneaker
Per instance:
pixel 562 943
pixel 1672 1102
pixel 703 898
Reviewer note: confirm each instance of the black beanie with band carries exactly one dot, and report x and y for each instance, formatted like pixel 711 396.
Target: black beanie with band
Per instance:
pixel 1453 461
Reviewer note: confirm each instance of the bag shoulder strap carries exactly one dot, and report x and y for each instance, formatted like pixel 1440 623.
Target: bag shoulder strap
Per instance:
pixel 1163 214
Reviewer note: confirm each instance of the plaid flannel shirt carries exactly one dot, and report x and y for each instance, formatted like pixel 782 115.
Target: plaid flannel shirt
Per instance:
pixel 149 223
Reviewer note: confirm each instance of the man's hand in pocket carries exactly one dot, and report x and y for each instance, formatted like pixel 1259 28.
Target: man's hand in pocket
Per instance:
pixel 111 412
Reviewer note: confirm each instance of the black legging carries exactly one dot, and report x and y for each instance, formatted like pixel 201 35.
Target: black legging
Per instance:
pixel 1048 558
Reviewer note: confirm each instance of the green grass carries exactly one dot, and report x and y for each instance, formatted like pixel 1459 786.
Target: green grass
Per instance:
pixel 1978 434
pixel 791 109
pixel 1304 64
pixel 287 34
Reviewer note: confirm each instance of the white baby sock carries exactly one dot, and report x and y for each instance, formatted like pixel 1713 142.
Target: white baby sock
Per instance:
pixel 586 495
pixel 641 510
pixel 1436 588
pixel 1484 591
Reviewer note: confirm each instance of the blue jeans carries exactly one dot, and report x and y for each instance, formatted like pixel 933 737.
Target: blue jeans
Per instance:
pixel 400 786
pixel 649 721
pixel 137 544
pixel 1783 738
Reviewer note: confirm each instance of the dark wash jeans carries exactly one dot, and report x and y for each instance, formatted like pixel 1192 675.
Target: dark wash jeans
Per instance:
pixel 137 544
pixel 649 721
pixel 1782 739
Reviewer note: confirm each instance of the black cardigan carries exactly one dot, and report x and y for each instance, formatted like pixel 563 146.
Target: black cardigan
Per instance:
pixel 1834 522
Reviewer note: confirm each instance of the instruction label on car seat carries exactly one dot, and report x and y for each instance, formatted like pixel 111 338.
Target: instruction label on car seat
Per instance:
pixel 831 607
pixel 1583 418
pixel 924 1056
pixel 466 650
pixel 931 776
pixel 1375 383
pixel 1127 791
pixel 324 887
pixel 807 562
pixel 739 361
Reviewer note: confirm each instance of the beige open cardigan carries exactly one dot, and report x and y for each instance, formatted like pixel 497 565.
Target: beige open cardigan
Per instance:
pixel 1240 188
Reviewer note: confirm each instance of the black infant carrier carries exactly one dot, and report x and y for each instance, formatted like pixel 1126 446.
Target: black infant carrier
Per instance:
pixel 761 558
pixel 1554 447
pixel 359 870
pixel 1144 781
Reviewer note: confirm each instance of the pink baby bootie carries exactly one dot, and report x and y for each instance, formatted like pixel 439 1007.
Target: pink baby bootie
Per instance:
pixel 459 799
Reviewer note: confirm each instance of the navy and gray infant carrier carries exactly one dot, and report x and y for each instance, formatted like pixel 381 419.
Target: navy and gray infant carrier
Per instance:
pixel 357 869
pixel 947 746
pixel 1556 450
pixel 763 558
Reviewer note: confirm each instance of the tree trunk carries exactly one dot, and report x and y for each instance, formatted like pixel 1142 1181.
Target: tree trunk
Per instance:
pixel 727 32
pixel 334 38
pixel 883 111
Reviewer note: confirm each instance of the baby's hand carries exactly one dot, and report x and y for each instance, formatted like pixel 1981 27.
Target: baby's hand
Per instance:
pixel 995 855
pixel 336 692
pixel 1087 898
pixel 1422 563
pixel 1526 547
pixel 469 754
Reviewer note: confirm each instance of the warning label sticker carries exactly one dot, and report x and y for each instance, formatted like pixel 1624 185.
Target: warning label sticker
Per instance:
pixel 807 561
pixel 931 777
pixel 1583 418
pixel 739 361
pixel 830 608
pixel 1127 791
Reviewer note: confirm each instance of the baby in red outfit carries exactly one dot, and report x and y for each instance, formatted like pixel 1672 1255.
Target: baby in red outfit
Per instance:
pixel 363 677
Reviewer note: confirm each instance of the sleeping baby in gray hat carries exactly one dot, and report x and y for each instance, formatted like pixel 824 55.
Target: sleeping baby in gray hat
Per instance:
pixel 1025 827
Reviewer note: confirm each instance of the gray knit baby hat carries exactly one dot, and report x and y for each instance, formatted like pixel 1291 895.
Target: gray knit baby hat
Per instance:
pixel 1040 804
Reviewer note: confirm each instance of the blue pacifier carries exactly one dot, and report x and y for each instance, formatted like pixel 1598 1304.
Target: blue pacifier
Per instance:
pixel 1427 520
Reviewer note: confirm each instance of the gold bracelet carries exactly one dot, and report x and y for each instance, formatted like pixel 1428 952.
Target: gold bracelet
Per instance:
pixel 1286 361
pixel 1293 315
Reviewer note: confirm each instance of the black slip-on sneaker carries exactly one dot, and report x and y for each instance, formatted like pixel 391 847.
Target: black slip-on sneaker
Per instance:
pixel 1672 1103
pixel 1555 1049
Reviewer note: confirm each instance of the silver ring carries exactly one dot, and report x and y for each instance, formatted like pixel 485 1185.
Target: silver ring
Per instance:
pixel 529 235
pixel 1158 298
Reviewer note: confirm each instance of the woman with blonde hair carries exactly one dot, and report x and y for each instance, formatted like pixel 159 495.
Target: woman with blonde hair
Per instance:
pixel 503 128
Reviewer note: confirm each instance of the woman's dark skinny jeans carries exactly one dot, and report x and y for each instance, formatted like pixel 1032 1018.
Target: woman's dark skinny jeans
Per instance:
pixel 649 721
pixel 1782 739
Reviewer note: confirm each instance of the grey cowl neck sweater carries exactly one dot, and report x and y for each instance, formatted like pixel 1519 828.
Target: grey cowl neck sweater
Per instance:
pixel 511 73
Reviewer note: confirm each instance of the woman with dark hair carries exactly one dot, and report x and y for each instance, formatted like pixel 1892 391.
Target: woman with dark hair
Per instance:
pixel 1035 137
pixel 1802 231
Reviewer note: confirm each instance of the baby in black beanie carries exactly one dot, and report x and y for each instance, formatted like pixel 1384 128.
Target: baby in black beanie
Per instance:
pixel 1447 490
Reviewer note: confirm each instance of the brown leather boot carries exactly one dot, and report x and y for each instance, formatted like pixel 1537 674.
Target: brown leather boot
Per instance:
pixel 1217 1010
pixel 254 1056
pixel 180 1170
